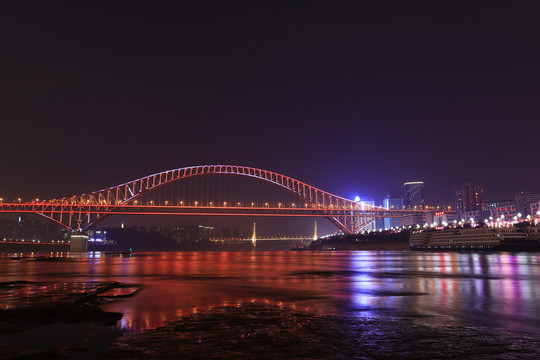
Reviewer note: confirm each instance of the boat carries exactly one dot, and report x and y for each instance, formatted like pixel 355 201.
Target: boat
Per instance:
pixel 299 248
pixel 525 238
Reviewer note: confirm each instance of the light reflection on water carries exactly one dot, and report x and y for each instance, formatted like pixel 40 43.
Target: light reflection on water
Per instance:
pixel 495 290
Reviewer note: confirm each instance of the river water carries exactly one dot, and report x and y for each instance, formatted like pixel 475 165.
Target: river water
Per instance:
pixel 497 293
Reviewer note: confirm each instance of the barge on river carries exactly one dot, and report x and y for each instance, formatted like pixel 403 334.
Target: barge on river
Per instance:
pixel 483 238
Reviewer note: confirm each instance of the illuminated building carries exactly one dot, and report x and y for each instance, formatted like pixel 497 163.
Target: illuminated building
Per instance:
pixel 412 220
pixel 429 216
pixel 413 195
pixel 478 215
pixel 524 201
pixel 535 208
pixel 496 209
pixel 365 200
pixel 492 205
pixel 468 198
pixel 98 236
pixel 395 202
pixel 503 211
pixel 444 217
pixel 372 224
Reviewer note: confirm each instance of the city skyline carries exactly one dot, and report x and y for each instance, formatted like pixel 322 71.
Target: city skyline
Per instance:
pixel 351 98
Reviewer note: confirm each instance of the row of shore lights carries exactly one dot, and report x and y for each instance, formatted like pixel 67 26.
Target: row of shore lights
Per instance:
pixel 498 222
pixel 490 221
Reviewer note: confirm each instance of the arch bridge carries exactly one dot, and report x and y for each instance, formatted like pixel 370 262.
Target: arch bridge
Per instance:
pixel 82 212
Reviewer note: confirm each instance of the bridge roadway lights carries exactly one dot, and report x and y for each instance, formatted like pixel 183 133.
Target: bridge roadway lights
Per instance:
pixel 79 243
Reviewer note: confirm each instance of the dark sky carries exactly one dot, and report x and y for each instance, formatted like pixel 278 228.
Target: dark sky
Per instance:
pixel 350 98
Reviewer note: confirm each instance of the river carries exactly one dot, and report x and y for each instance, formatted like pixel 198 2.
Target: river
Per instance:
pixel 495 292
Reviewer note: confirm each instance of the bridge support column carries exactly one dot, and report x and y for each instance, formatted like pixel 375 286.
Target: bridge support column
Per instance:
pixel 78 243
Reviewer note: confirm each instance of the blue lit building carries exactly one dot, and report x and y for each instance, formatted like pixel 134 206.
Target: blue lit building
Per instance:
pixel 395 202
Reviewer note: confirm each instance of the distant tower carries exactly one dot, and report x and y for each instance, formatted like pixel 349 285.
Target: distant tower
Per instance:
pixel 413 195
pixel 315 232
pixel 254 236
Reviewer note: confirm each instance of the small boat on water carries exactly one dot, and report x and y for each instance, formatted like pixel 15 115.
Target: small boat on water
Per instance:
pixel 482 238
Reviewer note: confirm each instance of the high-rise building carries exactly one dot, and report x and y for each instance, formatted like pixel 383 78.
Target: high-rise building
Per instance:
pixel 413 195
pixel 395 202
pixel 468 197
pixel 524 201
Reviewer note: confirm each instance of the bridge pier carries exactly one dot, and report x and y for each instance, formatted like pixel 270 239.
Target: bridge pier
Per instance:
pixel 78 243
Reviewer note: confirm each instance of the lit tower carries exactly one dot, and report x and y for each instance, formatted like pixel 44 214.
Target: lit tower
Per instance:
pixel 315 232
pixel 413 195
pixel 254 236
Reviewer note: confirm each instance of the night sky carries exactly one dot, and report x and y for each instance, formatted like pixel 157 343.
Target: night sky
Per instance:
pixel 350 98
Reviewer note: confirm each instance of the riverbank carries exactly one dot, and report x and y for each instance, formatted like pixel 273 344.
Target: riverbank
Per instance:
pixel 386 240
pixel 39 248
pixel 58 320
pixel 260 331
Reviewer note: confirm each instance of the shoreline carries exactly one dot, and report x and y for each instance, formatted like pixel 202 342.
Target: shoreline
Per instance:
pixel 82 330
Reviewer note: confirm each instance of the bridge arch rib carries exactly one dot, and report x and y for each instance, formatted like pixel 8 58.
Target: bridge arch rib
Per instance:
pixel 109 199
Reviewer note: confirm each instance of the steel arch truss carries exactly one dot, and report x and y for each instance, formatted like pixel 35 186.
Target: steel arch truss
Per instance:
pixel 81 212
